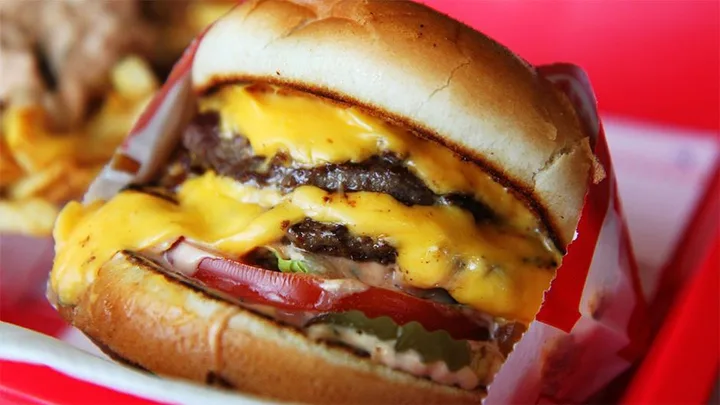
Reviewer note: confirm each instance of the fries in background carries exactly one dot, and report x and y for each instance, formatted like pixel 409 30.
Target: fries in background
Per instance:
pixel 34 217
pixel 42 168
pixel 184 21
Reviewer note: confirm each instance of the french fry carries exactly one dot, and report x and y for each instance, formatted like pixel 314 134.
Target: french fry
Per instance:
pixel 34 216
pixel 58 167
pixel 201 14
pixel 40 170
pixel 132 78
pixel 36 184
pixel 9 170
pixel 31 146
pixel 134 85
pixel 59 183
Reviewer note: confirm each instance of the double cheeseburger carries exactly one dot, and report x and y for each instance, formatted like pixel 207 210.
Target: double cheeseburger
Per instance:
pixel 366 206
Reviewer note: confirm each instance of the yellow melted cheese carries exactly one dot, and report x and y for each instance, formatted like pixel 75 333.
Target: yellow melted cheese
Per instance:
pixel 488 267
pixel 313 131
pixel 438 246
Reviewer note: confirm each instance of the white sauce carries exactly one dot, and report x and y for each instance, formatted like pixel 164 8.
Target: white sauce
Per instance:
pixel 384 352
pixel 185 257
pixel 343 286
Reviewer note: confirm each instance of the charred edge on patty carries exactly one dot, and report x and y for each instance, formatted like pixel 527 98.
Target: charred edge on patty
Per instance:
pixel 336 240
pixel 204 149
pixel 524 194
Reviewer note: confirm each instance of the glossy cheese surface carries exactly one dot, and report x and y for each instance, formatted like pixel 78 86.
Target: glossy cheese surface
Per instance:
pixel 314 131
pixel 439 246
pixel 499 268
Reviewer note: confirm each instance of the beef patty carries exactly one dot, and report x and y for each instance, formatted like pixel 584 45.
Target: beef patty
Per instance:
pixel 336 240
pixel 234 157
pixel 203 148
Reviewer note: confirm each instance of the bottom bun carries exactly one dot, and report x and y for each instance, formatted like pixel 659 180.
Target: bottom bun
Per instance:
pixel 139 315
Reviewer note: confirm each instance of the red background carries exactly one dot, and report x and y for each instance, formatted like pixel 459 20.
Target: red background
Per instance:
pixel 657 61
pixel 653 60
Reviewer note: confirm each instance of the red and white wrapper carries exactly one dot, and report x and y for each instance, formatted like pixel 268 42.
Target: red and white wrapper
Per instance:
pixel 592 325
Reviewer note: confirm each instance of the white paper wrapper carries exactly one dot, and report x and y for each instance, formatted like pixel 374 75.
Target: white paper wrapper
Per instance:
pixel 593 323
pixel 591 326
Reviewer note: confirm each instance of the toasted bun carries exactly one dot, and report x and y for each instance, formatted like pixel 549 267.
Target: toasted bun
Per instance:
pixel 412 64
pixel 137 314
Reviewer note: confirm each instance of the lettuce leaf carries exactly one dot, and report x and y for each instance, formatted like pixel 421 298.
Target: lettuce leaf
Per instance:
pixel 289 265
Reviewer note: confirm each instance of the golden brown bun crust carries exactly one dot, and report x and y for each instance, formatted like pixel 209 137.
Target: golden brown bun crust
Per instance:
pixel 412 64
pixel 137 314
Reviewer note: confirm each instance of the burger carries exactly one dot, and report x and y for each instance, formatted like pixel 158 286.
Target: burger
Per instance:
pixel 366 205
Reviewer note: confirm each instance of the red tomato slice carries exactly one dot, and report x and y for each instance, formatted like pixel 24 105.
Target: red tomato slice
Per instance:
pixel 292 291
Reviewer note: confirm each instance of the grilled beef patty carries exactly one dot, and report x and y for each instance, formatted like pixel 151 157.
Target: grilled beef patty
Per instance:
pixel 203 148
pixel 207 150
pixel 336 240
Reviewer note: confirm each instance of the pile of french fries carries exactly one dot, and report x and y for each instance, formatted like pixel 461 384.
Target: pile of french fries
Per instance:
pixel 41 170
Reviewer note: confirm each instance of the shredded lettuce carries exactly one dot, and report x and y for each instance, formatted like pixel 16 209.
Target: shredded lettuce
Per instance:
pixel 289 265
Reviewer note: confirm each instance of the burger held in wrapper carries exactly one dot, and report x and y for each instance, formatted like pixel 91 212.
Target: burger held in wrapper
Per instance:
pixel 341 202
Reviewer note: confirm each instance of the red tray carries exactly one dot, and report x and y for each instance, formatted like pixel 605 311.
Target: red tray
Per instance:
pixel 682 366
pixel 683 362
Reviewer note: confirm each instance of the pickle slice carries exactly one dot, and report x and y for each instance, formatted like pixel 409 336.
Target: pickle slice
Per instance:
pixel 431 346
pixel 383 327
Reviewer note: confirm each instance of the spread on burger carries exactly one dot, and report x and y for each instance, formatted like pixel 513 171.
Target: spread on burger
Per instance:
pixel 366 206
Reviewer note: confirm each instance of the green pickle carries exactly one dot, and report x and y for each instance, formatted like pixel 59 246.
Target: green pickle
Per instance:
pixel 431 346
pixel 383 327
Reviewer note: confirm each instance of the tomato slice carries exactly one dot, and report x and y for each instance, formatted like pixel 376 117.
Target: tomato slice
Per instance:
pixel 294 291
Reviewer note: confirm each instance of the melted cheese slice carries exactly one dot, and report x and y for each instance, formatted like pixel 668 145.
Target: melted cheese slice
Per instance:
pixel 313 132
pixel 481 266
pixel 496 269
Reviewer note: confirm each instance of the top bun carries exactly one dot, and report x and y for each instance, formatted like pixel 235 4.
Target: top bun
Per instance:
pixel 414 65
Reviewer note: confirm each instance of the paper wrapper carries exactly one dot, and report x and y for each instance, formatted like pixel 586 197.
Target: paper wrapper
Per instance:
pixel 591 327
